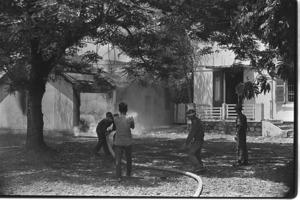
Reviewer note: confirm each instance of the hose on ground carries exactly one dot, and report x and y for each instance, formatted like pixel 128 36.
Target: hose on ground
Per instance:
pixel 194 176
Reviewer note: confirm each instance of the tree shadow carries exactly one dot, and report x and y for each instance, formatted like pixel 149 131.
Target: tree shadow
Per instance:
pixel 75 163
pixel 268 161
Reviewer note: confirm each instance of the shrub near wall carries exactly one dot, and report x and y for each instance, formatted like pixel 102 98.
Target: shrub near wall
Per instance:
pixel 228 127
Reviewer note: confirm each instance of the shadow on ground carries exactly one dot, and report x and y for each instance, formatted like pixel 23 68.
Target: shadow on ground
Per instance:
pixel 75 163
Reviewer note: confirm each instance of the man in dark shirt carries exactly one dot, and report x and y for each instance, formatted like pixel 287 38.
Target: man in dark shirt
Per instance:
pixel 241 129
pixel 101 132
pixel 195 140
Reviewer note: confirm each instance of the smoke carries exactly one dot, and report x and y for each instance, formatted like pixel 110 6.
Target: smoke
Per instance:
pixel 147 105
pixel 133 114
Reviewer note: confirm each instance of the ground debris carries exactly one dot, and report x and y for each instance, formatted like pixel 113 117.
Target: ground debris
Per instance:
pixel 75 171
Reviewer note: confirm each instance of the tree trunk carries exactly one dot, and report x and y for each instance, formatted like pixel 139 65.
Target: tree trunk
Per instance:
pixel 35 92
pixel 35 123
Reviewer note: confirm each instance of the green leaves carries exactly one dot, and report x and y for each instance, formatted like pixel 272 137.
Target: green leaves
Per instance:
pixel 252 89
pixel 247 90
pixel 91 57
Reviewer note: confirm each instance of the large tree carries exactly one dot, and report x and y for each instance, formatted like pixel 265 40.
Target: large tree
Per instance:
pixel 37 36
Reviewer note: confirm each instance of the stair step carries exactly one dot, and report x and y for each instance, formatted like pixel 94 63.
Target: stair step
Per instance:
pixel 290 134
pixel 277 123
pixel 285 127
pixel 274 121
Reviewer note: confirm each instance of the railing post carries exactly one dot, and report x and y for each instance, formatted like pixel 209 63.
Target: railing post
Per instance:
pixel 223 111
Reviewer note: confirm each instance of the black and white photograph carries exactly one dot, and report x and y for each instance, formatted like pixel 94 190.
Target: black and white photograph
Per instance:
pixel 149 99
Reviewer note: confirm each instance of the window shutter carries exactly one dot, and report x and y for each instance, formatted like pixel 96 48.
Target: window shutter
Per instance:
pixel 280 91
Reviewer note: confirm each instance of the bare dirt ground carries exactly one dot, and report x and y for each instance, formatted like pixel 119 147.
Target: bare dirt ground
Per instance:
pixel 73 170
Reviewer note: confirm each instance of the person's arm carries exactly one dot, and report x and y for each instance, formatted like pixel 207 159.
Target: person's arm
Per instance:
pixel 192 133
pixel 132 125
pixel 114 126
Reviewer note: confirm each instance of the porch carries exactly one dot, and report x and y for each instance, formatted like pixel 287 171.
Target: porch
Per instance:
pixel 221 120
pixel 253 112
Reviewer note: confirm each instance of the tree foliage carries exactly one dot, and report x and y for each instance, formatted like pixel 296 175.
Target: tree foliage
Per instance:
pixel 262 32
pixel 38 37
pixel 259 31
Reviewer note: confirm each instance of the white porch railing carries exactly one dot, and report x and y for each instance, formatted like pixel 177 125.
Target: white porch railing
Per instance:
pixel 227 111
pixel 208 112
pixel 253 112
pixel 248 110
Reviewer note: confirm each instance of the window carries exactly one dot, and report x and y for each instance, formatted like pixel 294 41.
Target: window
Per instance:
pixel 291 87
pixel 285 90
pixel 280 91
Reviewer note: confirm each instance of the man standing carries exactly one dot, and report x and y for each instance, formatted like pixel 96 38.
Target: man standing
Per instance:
pixel 101 132
pixel 123 140
pixel 241 126
pixel 195 140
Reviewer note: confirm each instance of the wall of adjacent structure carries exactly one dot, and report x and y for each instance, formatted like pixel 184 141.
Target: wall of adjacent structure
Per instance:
pixel 203 87
pixel 12 115
pixel 57 107
pixel 272 109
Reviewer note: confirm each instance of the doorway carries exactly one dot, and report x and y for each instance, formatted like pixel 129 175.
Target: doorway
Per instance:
pixel 233 78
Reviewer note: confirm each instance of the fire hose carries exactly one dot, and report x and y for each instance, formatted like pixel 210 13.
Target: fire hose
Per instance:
pixel 194 176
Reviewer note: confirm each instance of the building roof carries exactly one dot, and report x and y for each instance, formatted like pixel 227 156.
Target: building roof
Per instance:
pixel 92 83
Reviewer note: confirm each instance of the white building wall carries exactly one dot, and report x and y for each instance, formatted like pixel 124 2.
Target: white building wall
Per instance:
pixel 56 107
pixel 272 110
pixel 203 87
pixel 12 116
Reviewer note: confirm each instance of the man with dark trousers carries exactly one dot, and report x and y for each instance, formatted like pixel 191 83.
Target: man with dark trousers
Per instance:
pixel 195 141
pixel 241 130
pixel 102 131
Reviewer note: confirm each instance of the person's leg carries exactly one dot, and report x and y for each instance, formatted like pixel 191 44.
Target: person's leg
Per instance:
pixel 194 148
pixel 97 148
pixel 105 147
pixel 118 155
pixel 198 153
pixel 128 152
pixel 113 146
pixel 244 152
pixel 238 152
